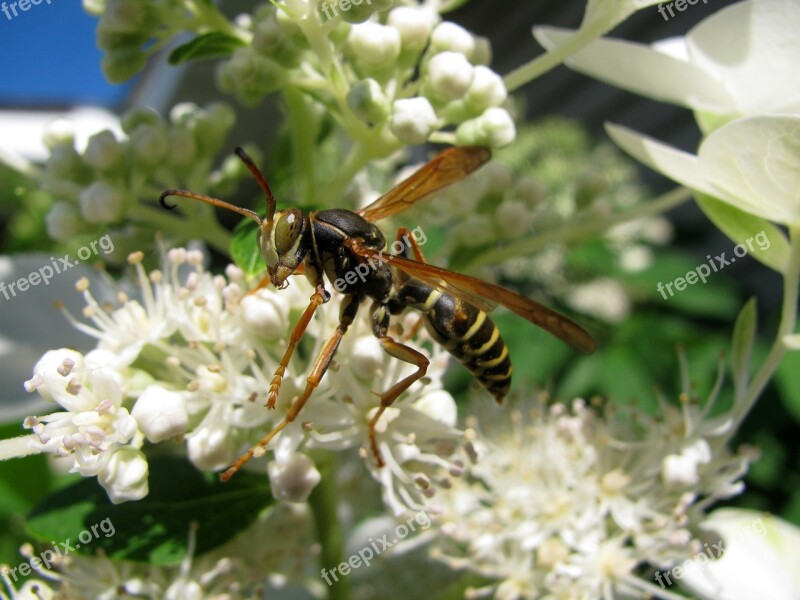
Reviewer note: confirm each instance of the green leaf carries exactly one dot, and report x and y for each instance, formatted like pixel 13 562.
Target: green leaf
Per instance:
pixel 787 378
pixel 154 529
pixel 744 335
pixel 740 226
pixel 244 248
pixel 208 45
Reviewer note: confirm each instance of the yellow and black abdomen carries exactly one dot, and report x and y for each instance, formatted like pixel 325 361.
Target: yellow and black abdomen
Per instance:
pixel 466 332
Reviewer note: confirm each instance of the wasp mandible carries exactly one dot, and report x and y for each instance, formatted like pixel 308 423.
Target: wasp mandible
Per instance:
pixel 330 243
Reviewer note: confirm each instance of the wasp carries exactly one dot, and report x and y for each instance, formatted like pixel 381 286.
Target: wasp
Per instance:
pixel 332 243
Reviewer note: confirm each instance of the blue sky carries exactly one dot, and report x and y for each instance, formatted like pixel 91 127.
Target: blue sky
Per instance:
pixel 48 58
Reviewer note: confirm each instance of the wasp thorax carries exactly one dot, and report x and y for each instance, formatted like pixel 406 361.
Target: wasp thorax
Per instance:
pixel 283 245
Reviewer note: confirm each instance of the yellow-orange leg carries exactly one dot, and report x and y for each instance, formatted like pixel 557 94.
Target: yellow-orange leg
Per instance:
pixel 321 364
pixel 300 327
pixel 406 354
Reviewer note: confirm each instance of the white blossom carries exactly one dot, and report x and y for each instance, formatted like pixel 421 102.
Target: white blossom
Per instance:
pixel 564 502
pixel 218 350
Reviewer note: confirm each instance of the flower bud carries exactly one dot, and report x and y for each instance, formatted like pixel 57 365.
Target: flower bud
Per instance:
pixel 103 152
pixel 448 77
pixel 128 15
pixel 486 90
pixel 294 479
pixel 494 128
pixel 101 202
pixel 59 132
pixel 249 75
pixel 120 65
pixel 270 40
pixel 414 25
pixel 375 47
pixel 413 120
pixel 124 476
pixel 451 37
pixel 64 162
pixel 161 414
pixel 475 230
pixel 149 144
pixel 132 119
pixel 514 218
pixel 368 102
pixel 182 148
pixel 63 222
pixel 210 447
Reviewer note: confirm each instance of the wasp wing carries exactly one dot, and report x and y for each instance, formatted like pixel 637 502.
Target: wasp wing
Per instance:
pixel 444 169
pixel 487 296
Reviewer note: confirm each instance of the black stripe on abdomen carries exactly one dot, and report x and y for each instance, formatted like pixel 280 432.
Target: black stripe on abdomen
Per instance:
pixel 469 335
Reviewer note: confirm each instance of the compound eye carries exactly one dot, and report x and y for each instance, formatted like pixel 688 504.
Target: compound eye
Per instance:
pixel 287 228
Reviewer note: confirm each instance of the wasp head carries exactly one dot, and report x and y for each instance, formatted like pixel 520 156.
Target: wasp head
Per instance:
pixel 284 244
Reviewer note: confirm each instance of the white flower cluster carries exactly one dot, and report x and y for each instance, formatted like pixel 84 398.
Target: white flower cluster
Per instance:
pixel 236 570
pixel 192 360
pixel 103 183
pixel 408 76
pixel 571 503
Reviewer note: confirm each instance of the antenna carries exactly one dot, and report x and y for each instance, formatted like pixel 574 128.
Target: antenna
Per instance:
pixel 251 166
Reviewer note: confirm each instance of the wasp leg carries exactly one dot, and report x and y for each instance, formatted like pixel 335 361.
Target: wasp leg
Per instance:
pixel 323 361
pixel 380 324
pixel 317 298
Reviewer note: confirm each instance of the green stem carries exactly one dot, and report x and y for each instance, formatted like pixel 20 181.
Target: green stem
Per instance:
pixel 193 228
pixel 362 152
pixel 303 125
pixel 544 62
pixel 791 280
pixel 324 502
pixel 580 230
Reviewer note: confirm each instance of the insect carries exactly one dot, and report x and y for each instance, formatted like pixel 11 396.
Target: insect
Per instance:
pixel 332 243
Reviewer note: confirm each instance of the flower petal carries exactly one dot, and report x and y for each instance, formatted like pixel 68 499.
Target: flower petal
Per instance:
pixel 643 70
pixel 753 47
pixel 755 161
pixel 677 165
